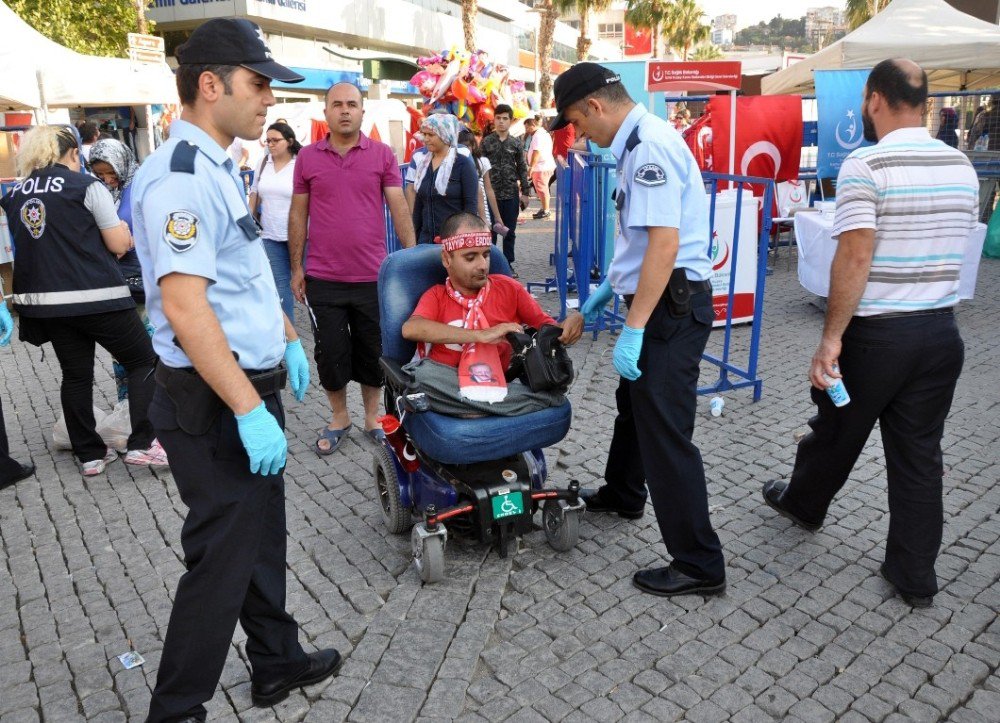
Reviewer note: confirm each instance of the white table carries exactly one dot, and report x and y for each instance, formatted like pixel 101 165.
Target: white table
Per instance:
pixel 816 249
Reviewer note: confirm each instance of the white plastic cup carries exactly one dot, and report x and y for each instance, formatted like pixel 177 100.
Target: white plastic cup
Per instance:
pixel 716 405
pixel 837 391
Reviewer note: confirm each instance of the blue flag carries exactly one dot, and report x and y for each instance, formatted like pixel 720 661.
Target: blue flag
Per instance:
pixel 839 95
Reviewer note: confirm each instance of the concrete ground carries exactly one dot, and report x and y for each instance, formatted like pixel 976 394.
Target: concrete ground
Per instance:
pixel 807 629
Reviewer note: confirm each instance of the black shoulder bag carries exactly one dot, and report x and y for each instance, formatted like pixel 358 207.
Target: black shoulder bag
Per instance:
pixel 540 360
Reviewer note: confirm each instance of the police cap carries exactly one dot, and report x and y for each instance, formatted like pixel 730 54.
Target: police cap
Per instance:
pixel 233 41
pixel 576 84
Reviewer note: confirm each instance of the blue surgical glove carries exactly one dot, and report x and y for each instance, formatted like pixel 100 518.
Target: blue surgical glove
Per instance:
pixel 6 324
pixel 596 302
pixel 626 354
pixel 298 368
pixel 263 440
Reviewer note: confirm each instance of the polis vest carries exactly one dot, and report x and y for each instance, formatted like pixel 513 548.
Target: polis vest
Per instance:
pixel 61 265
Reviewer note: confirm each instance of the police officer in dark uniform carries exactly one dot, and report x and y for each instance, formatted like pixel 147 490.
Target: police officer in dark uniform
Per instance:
pixel 221 336
pixel 662 267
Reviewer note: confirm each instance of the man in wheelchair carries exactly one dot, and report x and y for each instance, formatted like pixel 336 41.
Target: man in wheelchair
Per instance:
pixel 463 322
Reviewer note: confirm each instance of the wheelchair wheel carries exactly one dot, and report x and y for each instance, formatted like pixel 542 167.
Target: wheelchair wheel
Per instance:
pixel 397 518
pixel 428 555
pixel 562 526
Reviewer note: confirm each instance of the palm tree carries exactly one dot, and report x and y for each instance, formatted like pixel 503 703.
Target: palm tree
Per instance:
pixel 648 15
pixel 583 9
pixel 859 12
pixel 546 30
pixel 707 51
pixel 684 27
pixel 470 8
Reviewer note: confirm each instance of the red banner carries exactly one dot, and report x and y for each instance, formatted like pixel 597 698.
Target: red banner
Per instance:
pixel 662 75
pixel 638 41
pixel 768 135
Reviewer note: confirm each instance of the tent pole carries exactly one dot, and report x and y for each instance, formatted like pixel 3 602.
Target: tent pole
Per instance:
pixel 732 133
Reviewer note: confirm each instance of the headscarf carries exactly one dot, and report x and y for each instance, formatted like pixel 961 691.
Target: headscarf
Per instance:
pixel 949 126
pixel 445 126
pixel 119 156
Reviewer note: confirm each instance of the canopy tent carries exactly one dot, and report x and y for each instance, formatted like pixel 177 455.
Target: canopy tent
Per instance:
pixel 38 72
pixel 958 51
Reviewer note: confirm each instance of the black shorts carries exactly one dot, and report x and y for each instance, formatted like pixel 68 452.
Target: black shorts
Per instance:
pixel 348 338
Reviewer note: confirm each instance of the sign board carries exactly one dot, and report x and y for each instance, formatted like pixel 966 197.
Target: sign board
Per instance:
pixel 145 42
pixel 723 263
pixel 145 56
pixel 662 75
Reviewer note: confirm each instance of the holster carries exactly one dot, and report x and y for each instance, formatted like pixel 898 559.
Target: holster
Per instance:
pixel 678 294
pixel 196 402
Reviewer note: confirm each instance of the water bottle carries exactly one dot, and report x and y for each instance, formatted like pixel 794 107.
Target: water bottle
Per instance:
pixel 716 405
pixel 837 390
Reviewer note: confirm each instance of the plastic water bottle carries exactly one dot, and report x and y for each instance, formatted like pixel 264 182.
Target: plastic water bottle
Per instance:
pixel 837 390
pixel 716 405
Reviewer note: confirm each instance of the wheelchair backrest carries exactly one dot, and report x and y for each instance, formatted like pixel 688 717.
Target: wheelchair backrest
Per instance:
pixel 402 279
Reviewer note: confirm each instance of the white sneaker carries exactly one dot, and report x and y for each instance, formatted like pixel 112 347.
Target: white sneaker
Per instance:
pixel 97 466
pixel 155 456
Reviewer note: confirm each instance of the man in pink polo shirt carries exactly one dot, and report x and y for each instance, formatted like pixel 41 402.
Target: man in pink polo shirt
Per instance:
pixel 341 182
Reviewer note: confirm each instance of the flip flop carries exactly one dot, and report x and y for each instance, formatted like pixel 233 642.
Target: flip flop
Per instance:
pixel 376 435
pixel 333 436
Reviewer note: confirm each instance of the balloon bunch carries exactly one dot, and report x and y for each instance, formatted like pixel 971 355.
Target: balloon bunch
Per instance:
pixel 470 87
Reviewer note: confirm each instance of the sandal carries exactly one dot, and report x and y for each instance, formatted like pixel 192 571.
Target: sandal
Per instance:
pixel 376 434
pixel 333 436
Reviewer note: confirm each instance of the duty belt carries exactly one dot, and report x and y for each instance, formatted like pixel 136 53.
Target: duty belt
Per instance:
pixel 268 381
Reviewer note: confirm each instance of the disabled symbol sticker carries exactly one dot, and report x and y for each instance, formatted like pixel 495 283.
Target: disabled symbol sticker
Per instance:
pixel 508 505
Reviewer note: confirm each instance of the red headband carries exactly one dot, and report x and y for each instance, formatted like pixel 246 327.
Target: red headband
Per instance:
pixel 468 240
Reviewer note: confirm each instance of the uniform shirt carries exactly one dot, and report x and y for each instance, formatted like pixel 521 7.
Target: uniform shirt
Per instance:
pixel 199 224
pixel 922 198
pixel 659 184
pixel 346 207
pixel 509 169
pixel 506 302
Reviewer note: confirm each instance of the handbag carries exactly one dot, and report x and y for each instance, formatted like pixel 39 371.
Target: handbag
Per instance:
pixel 540 360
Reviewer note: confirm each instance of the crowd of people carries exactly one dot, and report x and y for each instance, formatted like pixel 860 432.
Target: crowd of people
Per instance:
pixel 218 278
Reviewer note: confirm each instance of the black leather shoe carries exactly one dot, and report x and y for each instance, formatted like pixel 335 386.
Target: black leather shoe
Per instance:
pixel 666 582
pixel 26 471
pixel 915 601
pixel 322 664
pixel 594 502
pixel 773 491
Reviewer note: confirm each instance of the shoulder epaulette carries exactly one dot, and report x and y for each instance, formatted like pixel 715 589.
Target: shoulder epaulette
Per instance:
pixel 633 139
pixel 182 159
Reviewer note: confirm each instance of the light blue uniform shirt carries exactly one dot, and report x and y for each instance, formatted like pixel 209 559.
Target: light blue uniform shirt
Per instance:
pixel 659 184
pixel 199 224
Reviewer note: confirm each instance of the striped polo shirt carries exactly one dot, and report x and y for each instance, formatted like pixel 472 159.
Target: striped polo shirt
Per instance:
pixel 922 198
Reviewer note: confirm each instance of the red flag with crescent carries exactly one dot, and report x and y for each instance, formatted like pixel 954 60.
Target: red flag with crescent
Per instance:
pixel 768 136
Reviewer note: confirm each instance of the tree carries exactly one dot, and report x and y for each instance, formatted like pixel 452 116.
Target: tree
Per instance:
pixel 708 51
pixel 684 27
pixel 583 9
pixel 859 12
pixel 648 15
pixel 470 8
pixel 86 27
pixel 546 32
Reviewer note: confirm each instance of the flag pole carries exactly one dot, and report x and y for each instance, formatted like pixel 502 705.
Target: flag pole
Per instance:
pixel 732 133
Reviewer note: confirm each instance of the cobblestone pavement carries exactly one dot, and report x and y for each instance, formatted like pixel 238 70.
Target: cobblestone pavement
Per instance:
pixel 807 629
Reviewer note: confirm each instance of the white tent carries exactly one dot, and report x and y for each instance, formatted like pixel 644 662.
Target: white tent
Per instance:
pixel 958 51
pixel 38 72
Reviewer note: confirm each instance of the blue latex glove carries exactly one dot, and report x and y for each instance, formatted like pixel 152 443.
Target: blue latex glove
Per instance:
pixel 596 302
pixel 6 324
pixel 263 440
pixel 626 354
pixel 298 368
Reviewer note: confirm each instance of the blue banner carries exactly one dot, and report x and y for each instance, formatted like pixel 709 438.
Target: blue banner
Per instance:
pixel 839 95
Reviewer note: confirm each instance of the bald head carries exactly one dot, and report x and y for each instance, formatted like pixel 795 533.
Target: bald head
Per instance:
pixel 901 83
pixel 345 90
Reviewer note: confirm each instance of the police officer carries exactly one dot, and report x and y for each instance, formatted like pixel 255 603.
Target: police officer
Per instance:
pixel 662 267
pixel 221 335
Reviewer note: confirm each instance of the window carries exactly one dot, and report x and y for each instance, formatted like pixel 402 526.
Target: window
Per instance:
pixel 610 31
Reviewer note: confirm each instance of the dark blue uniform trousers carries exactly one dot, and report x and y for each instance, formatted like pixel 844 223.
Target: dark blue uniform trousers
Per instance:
pixel 9 468
pixel 234 540
pixel 652 446
pixel 900 372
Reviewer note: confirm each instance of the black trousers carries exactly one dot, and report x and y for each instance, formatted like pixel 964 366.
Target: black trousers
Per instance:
pixel 234 540
pixel 902 373
pixel 348 338
pixel 651 446
pixel 9 468
pixel 510 209
pixel 122 333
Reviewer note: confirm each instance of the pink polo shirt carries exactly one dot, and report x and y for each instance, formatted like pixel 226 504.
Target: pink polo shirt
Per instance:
pixel 346 211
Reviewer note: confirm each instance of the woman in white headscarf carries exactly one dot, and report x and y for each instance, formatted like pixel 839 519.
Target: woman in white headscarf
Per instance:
pixel 446 182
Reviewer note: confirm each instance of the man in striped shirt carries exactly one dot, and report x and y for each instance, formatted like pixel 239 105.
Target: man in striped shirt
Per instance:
pixel 905 209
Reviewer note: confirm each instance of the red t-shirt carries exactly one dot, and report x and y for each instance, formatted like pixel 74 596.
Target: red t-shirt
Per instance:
pixel 508 301
pixel 562 139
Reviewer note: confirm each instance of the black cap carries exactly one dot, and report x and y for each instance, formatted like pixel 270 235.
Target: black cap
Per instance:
pixel 233 41
pixel 577 83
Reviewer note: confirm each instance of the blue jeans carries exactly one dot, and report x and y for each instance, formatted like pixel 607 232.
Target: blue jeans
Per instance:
pixel 281 269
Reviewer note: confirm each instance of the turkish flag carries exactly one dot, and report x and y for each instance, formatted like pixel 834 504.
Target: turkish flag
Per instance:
pixel 638 41
pixel 698 137
pixel 768 136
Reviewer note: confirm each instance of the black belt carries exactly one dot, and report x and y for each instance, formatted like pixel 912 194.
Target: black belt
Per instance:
pixel 696 287
pixel 265 381
pixel 946 311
